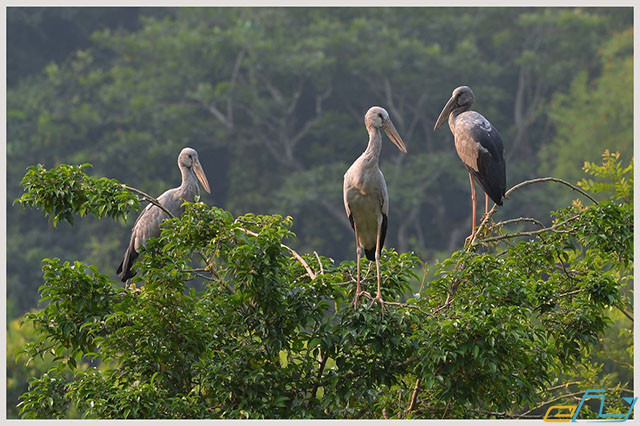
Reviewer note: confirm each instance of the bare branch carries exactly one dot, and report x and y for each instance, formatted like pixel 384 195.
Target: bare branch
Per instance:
pixel 198 274
pixel 295 254
pixel 149 198
pixel 571 293
pixel 549 179
pixel 564 385
pixel 487 216
pixel 319 262
pixel 323 362
pixel 523 234
pixel 402 305
pixel 520 219
pixel 414 396
pixel 626 314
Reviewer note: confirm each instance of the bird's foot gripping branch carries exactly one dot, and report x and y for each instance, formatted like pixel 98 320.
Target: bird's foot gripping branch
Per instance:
pixel 273 334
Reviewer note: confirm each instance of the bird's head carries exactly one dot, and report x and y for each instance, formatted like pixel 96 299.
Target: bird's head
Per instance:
pixel 462 97
pixel 378 118
pixel 188 159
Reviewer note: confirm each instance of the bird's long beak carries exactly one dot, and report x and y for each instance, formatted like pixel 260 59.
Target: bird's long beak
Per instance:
pixel 444 115
pixel 391 131
pixel 197 168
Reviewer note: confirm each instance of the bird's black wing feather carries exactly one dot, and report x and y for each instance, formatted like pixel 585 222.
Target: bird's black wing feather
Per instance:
pixel 371 254
pixel 130 256
pixel 491 174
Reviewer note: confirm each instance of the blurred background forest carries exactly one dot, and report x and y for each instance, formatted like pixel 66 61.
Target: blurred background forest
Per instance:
pixel 273 100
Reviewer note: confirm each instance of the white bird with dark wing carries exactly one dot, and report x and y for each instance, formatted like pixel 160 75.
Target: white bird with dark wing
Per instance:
pixel 479 147
pixel 148 223
pixel 365 194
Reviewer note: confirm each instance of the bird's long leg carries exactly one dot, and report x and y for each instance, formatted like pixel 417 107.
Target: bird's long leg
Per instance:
pixel 473 202
pixel 379 294
pixel 358 290
pixel 486 204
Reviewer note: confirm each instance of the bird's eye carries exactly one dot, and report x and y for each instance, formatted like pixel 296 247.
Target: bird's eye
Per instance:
pixel 380 114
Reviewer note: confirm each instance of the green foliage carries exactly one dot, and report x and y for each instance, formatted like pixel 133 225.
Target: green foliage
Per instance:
pixel 267 338
pixel 20 333
pixel 618 180
pixel 66 189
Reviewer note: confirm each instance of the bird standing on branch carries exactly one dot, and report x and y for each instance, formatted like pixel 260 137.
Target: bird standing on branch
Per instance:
pixel 479 147
pixel 148 223
pixel 365 194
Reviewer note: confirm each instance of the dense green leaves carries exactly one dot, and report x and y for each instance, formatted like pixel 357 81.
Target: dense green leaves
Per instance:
pixel 273 99
pixel 66 189
pixel 275 336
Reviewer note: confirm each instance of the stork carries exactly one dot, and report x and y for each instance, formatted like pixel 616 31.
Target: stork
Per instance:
pixel 479 147
pixel 365 194
pixel 148 222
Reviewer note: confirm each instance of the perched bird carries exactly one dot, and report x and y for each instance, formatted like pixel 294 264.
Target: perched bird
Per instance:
pixel 365 194
pixel 148 223
pixel 479 147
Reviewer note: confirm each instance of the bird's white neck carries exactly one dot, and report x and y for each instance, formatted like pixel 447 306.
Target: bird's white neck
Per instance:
pixel 189 181
pixel 375 144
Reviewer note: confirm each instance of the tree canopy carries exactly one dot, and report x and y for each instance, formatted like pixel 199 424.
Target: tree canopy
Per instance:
pixel 275 336
pixel 273 100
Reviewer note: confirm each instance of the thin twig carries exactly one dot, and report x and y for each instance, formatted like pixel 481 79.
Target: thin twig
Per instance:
pixel 487 216
pixel 204 277
pixel 520 219
pixel 624 364
pixel 316 385
pixel 529 233
pixel 149 198
pixel 564 385
pixel 295 254
pixel 549 179
pixel 626 314
pixel 414 396
pixel 402 305
pixel 319 262
pixel 424 276
pixel 570 293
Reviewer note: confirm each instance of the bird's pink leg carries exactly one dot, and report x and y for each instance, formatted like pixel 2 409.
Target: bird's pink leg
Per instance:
pixel 486 204
pixel 473 202
pixel 358 290
pixel 379 294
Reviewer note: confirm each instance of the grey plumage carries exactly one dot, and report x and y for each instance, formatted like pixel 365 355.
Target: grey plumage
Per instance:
pixel 478 144
pixel 366 200
pixel 147 224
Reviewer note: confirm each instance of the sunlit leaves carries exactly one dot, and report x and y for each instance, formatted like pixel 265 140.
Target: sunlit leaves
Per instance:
pixel 268 339
pixel 66 190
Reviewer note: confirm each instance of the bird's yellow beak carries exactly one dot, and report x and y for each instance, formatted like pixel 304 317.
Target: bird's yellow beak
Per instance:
pixel 444 115
pixel 391 131
pixel 197 168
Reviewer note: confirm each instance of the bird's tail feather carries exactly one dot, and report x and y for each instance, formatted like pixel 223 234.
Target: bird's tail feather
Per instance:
pixel 371 254
pixel 124 270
